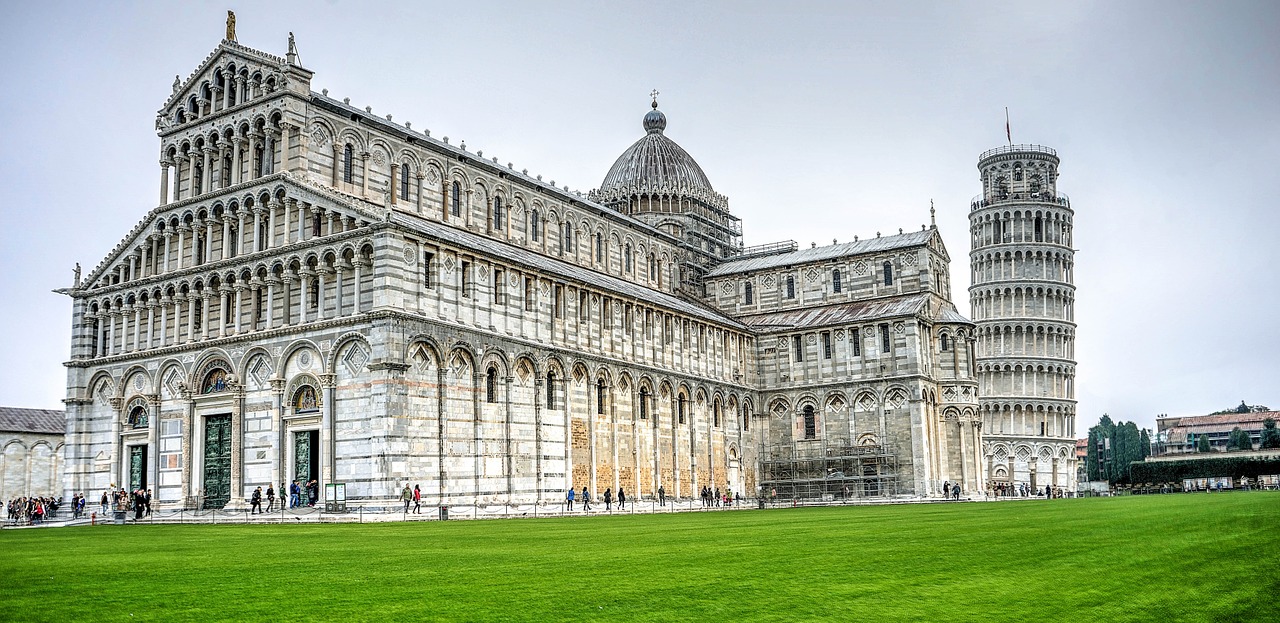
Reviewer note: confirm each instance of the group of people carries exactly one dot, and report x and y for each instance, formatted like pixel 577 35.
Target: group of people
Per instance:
pixel 950 491
pixel 1024 490
pixel 303 494
pixel 138 501
pixel 414 497
pixel 300 494
pixel 33 510
pixel 712 497
pixel 608 498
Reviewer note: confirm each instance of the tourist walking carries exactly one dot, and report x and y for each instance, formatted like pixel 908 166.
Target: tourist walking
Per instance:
pixel 568 500
pixel 622 499
pixel 105 502
pixel 662 496
pixel 608 499
pixel 946 489
pixel 417 500
pixel 586 500
pixel 255 502
pixel 295 495
pixel 271 497
pixel 406 496
pixel 147 500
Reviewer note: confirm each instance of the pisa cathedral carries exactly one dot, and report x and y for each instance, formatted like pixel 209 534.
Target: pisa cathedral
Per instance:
pixel 324 294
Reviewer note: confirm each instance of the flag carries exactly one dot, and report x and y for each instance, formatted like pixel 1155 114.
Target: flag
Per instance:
pixel 1007 133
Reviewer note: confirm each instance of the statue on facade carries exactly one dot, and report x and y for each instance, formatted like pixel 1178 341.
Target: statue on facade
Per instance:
pixel 177 82
pixel 77 275
pixel 231 26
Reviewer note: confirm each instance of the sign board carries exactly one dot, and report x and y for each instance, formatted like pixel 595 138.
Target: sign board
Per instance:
pixel 335 497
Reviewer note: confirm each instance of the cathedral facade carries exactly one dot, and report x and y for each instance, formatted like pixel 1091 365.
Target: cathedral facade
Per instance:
pixel 326 295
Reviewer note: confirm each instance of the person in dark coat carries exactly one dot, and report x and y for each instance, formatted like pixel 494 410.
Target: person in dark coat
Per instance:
pixel 608 499
pixel 622 499
pixel 662 496
pixel 255 502
pixel 586 499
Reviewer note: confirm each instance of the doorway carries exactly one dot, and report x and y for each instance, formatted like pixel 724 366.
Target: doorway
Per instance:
pixel 217 461
pixel 306 458
pixel 137 467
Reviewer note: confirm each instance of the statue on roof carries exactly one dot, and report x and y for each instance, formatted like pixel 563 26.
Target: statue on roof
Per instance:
pixel 292 55
pixel 177 82
pixel 77 275
pixel 231 25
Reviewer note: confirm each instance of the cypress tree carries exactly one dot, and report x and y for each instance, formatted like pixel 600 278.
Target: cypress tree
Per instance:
pixel 1270 435
pixel 1239 440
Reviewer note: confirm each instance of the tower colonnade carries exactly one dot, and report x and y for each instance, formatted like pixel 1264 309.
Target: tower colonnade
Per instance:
pixel 1022 298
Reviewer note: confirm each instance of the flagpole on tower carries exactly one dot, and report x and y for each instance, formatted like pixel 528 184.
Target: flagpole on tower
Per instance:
pixel 1007 133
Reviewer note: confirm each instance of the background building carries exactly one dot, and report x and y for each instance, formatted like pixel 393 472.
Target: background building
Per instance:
pixel 1022 298
pixel 31 461
pixel 1180 435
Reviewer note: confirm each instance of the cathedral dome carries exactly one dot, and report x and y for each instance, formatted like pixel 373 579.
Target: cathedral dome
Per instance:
pixel 655 164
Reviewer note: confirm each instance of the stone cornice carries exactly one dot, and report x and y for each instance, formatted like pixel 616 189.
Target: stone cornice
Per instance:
pixel 221 342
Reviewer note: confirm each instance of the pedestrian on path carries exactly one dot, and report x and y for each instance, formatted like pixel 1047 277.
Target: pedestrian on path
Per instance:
pixel 406 496
pixel 417 500
pixel 662 496
pixel 586 500
pixel 608 499
pixel 271 497
pixel 568 500
pixel 255 502
pixel 622 499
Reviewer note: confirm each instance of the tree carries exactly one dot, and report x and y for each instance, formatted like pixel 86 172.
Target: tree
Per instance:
pixel 1270 436
pixel 1202 444
pixel 1092 470
pixel 1146 443
pixel 1239 440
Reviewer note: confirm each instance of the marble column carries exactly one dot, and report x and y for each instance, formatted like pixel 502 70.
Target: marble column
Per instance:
pixel 239 288
pixel 204 315
pixel 164 181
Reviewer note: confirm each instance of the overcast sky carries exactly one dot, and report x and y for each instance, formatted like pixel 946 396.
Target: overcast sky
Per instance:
pixel 817 120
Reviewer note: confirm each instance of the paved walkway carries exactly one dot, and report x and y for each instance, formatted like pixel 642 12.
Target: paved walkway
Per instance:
pixel 373 514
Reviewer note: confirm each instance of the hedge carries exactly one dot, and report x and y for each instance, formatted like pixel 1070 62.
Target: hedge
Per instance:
pixel 1175 471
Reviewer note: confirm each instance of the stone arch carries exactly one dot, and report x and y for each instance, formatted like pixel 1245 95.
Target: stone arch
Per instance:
pixel 207 378
pixel 293 352
pixel 130 376
pixel 303 394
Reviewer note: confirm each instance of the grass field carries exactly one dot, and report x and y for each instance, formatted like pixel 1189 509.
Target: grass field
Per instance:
pixel 1193 557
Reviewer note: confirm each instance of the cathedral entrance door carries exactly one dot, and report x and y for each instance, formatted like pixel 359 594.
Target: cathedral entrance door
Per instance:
pixel 217 461
pixel 137 467
pixel 306 457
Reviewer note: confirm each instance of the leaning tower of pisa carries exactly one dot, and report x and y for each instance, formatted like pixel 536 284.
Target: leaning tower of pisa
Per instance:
pixel 1023 301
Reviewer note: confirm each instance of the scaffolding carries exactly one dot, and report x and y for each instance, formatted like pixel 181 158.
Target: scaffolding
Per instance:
pixel 832 472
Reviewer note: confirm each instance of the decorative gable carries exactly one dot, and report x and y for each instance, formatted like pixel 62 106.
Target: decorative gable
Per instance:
pixel 230 75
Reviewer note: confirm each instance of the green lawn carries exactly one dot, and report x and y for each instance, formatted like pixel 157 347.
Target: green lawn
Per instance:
pixel 1185 557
